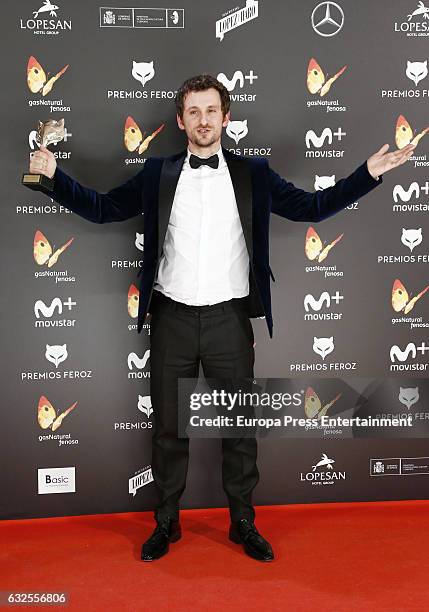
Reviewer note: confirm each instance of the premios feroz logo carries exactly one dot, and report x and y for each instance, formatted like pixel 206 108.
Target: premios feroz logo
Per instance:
pixel 126 264
pixel 143 72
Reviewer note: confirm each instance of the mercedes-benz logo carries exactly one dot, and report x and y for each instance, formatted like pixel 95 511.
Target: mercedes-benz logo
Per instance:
pixel 327 18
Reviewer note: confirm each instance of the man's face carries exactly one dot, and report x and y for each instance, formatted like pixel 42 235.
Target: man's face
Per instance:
pixel 202 117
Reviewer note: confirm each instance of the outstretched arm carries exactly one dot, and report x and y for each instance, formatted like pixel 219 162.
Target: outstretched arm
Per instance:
pixel 118 204
pixel 298 205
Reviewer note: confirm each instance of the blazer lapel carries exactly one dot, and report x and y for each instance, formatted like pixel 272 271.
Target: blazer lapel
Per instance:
pixel 239 170
pixel 170 173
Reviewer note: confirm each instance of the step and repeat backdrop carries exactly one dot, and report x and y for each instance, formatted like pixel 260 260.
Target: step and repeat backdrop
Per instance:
pixel 316 88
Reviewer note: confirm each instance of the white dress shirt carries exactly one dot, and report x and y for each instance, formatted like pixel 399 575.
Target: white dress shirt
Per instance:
pixel 204 258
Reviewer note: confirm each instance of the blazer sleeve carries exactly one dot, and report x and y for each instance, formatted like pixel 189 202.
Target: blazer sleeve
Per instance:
pixel 298 205
pixel 118 204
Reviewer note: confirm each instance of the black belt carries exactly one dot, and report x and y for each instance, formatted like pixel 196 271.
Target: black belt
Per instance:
pixel 160 298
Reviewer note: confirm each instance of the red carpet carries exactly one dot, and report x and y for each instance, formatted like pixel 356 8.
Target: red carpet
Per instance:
pixel 329 557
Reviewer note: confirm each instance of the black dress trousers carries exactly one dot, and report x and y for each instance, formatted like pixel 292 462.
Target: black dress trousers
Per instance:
pixel 221 337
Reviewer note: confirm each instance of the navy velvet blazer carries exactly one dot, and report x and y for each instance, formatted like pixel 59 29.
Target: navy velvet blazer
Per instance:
pixel 259 191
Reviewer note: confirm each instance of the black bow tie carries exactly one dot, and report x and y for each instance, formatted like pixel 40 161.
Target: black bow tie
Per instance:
pixel 196 162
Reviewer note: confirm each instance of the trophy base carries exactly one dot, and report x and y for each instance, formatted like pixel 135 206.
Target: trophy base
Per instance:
pixel 38 182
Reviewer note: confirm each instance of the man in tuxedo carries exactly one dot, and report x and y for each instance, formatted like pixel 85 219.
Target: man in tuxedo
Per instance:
pixel 205 274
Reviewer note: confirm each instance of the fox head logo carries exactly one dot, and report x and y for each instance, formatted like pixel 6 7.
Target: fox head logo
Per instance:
pixel 237 130
pixel 411 237
pixel 145 405
pixel 139 241
pixel 143 71
pixel 322 182
pixel 416 71
pixel 408 396
pixel 323 346
pixel 56 353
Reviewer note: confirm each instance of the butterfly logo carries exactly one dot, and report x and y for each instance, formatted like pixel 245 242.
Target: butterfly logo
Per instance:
pixel 316 80
pixel 134 139
pixel 401 300
pixel 404 133
pixel 133 301
pixel 43 252
pixel 314 248
pixel 47 416
pixel 313 406
pixel 36 77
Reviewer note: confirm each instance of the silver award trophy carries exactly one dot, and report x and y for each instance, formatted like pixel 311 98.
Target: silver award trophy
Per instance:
pixel 48 133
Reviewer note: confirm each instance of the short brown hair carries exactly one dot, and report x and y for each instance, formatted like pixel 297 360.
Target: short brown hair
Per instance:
pixel 201 83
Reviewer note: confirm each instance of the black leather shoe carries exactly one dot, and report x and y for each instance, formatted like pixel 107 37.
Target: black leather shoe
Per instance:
pixel 167 530
pixel 244 532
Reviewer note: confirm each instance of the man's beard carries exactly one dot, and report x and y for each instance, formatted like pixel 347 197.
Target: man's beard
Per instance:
pixel 204 141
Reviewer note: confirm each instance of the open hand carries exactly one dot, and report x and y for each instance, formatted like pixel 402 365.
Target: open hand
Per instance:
pixel 382 162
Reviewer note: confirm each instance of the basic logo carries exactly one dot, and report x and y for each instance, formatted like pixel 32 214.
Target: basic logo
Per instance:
pixel 56 480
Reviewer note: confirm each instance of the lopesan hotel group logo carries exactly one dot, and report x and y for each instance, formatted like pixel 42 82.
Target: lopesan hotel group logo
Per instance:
pixel 415 22
pixel 323 472
pixel 45 21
